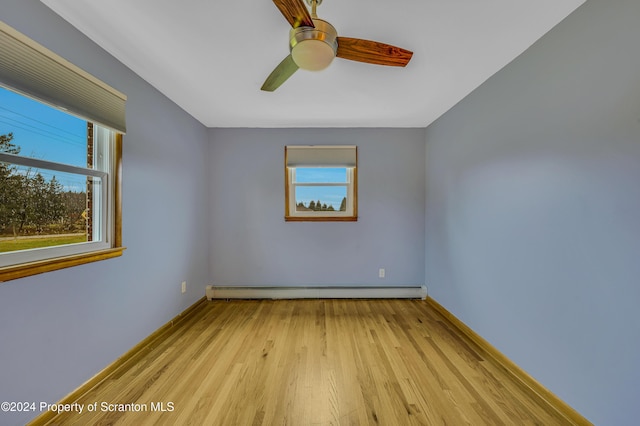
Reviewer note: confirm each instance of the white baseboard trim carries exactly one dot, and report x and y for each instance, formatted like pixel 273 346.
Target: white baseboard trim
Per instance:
pixel 405 292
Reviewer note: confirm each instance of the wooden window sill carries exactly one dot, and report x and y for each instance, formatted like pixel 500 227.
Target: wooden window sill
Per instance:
pixel 33 268
pixel 320 219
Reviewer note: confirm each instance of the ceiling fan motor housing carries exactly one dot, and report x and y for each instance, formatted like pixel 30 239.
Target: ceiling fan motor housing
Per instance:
pixel 313 49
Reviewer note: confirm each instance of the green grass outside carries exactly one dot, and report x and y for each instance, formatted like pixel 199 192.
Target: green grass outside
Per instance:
pixel 37 242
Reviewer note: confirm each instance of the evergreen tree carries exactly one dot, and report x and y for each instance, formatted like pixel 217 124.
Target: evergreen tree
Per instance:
pixel 10 185
pixel 27 200
pixel 38 206
pixel 343 205
pixel 56 208
pixel 312 205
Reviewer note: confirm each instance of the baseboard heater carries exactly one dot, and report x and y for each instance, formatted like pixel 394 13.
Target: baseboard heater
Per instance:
pixel 417 292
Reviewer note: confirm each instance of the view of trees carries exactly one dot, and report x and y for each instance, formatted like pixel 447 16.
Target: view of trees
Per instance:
pixel 33 205
pixel 320 206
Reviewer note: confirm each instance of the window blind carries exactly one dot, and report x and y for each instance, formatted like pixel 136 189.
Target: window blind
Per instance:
pixel 321 156
pixel 33 70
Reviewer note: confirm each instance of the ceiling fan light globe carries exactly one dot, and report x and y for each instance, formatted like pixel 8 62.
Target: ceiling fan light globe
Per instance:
pixel 312 55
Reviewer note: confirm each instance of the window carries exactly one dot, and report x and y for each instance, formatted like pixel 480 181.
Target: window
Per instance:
pixel 321 183
pixel 60 199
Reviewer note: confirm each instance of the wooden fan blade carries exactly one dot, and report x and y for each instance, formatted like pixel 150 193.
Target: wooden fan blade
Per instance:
pixel 280 74
pixel 295 12
pixel 372 52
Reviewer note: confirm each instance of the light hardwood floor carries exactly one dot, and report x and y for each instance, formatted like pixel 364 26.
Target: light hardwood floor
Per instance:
pixel 314 362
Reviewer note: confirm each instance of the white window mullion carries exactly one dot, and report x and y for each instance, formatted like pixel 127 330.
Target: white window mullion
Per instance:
pixel 320 184
pixel 49 165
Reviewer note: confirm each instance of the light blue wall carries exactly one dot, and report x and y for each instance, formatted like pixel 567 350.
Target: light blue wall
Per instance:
pixel 251 244
pixel 59 329
pixel 530 230
pixel 533 207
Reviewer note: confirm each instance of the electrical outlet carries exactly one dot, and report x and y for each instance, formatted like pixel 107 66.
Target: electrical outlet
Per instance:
pixel 381 272
pixel 184 286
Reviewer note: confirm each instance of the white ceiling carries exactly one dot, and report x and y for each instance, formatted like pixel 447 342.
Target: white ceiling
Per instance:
pixel 211 57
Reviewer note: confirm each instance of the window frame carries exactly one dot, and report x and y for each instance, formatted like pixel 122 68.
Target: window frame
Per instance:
pixel 28 68
pixel 292 215
pixel 114 238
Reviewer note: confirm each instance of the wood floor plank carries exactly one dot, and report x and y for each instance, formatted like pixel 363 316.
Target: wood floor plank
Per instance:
pixel 313 362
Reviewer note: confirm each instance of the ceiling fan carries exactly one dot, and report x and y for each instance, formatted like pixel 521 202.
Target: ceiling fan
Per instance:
pixel 314 43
